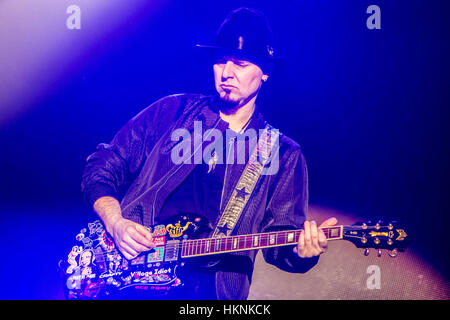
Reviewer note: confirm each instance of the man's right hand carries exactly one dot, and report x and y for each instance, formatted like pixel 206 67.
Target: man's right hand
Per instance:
pixel 130 237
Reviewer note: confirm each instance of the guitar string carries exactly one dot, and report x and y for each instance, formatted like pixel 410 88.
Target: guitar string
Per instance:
pixel 194 244
pixel 198 245
pixel 248 238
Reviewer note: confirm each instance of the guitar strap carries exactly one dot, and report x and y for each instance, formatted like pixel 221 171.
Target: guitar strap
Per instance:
pixel 260 156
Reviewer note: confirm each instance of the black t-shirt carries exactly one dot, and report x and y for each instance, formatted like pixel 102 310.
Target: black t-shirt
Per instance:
pixel 201 193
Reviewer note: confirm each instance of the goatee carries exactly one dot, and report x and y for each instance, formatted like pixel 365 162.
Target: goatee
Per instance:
pixel 227 106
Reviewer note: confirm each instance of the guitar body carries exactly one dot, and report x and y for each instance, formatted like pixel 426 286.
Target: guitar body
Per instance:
pixel 95 269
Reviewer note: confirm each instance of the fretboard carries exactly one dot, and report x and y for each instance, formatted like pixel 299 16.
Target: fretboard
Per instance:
pixel 208 246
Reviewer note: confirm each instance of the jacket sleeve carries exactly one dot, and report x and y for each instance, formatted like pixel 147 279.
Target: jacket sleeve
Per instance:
pixel 287 209
pixel 112 167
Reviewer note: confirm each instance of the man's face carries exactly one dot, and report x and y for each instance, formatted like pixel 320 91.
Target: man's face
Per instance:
pixel 237 81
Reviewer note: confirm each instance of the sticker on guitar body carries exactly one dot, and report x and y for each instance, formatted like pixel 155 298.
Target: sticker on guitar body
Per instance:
pixel 159 241
pixel 177 230
pixel 159 230
pixel 156 276
pixel 156 255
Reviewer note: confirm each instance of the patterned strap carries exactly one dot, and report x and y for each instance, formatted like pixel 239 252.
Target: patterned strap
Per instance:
pixel 246 184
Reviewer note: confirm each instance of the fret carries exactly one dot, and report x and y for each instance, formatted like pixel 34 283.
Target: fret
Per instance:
pixel 183 248
pixel 200 247
pixel 211 245
pixel 227 242
pixel 280 238
pixel 248 241
pixel 203 250
pixel 186 244
pixel 242 242
pixel 264 240
pixel 223 244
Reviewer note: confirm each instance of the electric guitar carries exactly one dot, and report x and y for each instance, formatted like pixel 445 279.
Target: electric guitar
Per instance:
pixel 95 269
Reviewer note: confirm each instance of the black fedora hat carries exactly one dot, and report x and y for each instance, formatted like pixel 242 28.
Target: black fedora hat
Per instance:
pixel 245 34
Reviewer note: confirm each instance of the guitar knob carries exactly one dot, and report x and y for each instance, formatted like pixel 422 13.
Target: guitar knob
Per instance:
pixel 393 253
pixel 379 253
pixel 366 251
pixel 376 241
pixel 363 240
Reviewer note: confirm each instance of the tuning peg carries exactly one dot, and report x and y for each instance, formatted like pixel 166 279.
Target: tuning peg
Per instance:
pixel 393 253
pixel 378 224
pixel 366 251
pixel 379 253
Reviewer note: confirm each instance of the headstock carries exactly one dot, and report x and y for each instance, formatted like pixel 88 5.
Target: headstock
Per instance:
pixel 390 236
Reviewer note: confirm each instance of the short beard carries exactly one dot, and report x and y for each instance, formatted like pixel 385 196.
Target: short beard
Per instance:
pixel 227 106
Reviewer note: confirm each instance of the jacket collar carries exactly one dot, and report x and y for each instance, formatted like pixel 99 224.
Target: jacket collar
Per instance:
pixel 206 111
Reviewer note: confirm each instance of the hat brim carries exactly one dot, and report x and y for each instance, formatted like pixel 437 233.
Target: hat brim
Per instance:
pixel 266 63
pixel 238 53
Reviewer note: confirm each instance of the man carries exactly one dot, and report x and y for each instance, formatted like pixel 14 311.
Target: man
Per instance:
pixel 137 168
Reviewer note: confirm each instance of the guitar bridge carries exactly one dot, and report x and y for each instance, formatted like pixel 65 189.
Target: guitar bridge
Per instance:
pixel 172 249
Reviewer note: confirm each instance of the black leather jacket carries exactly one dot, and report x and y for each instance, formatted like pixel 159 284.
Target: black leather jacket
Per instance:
pixel 136 167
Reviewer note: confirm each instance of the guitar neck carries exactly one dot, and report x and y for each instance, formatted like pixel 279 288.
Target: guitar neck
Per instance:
pixel 209 246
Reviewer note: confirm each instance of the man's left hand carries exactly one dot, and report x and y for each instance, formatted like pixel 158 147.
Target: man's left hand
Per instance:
pixel 312 241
